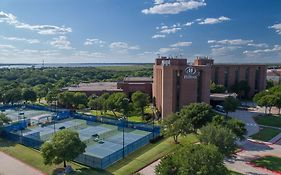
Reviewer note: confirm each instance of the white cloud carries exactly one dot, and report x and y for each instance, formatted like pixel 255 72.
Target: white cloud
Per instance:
pixel 158 36
pixel 275 49
pixel 92 41
pixel 122 47
pixel 30 41
pixel 188 23
pixel 181 44
pixel 168 50
pixel 88 54
pixel 223 51
pixel 277 28
pixel 6 46
pixel 170 30
pixel 213 20
pixel 258 45
pixel 174 7
pixel 41 29
pixel 61 43
pixel 158 1
pixel 230 42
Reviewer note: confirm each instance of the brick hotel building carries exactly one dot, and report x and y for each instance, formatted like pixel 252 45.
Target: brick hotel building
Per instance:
pixel 177 83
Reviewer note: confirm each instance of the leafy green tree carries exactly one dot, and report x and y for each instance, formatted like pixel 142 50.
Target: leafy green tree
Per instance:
pixel 219 136
pixel 52 96
pixel 241 88
pixel 102 100
pixel 278 101
pixel 29 95
pixel 193 160
pixel 268 101
pixel 115 102
pixel 197 114
pixel 140 101
pixel 79 98
pixel 269 84
pixel 236 126
pixel 4 119
pixel 65 145
pixel 230 104
pixel 66 99
pixel 217 88
pixel 12 96
pixel 175 125
pixel 41 91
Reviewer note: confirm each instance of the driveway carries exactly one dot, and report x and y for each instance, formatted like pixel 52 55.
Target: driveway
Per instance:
pixel 247 118
pixel 12 166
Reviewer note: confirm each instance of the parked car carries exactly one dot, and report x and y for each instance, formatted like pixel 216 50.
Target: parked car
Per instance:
pixel 219 108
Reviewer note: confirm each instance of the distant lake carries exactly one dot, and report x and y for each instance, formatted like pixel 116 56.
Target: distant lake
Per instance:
pixel 22 66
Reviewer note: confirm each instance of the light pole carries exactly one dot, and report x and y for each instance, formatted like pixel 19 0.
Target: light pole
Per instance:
pixel 123 120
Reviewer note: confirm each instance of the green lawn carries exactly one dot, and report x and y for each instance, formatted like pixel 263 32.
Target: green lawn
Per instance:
pixel 265 134
pixel 34 158
pixel 130 164
pixel 234 173
pixel 269 120
pixel 269 162
pixel 148 154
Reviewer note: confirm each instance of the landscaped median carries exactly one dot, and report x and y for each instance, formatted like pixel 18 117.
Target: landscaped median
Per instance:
pixel 268 120
pixel 266 134
pixel 268 162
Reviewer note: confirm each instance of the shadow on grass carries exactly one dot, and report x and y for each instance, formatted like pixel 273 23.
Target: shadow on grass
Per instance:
pixel 82 171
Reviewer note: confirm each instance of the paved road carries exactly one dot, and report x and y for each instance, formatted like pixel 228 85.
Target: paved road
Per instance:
pixel 247 118
pixel 12 166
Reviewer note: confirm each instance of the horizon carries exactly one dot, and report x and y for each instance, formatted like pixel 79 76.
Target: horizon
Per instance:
pixel 94 31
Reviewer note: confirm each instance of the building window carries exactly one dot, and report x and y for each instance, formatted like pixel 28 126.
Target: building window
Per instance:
pixel 237 75
pixel 199 87
pixel 216 75
pixel 178 85
pixel 226 72
pixel 247 74
pixel 257 79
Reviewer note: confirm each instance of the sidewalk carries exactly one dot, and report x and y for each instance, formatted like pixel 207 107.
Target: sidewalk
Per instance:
pixel 12 166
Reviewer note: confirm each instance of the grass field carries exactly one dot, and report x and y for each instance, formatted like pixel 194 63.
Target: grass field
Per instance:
pixel 130 164
pixel 269 162
pixel 269 120
pixel 266 134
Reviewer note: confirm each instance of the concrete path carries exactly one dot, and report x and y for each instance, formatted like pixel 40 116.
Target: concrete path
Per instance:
pixel 149 170
pixel 12 166
pixel 253 151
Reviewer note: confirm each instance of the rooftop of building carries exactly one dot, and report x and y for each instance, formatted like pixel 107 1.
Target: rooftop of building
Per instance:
pixel 138 79
pixel 97 86
pixel 273 72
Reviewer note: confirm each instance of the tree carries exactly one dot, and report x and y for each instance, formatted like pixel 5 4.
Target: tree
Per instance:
pixel 67 99
pixel 4 119
pixel 217 88
pixel 193 160
pixel 230 105
pixel 197 114
pixel 65 145
pixel 116 102
pixel 41 91
pixel 268 101
pixel 278 101
pixel 235 125
pixel 79 99
pixel 52 96
pixel 29 95
pixel 241 88
pixel 140 101
pixel 269 84
pixel 219 136
pixel 12 96
pixel 174 126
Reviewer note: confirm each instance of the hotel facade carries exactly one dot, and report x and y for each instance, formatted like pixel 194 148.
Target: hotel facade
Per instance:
pixel 177 83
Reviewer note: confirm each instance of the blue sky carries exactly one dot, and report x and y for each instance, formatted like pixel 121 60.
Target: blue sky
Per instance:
pixel 99 31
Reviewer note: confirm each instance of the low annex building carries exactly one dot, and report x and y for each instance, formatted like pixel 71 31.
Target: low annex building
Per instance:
pixel 129 85
pixel 177 83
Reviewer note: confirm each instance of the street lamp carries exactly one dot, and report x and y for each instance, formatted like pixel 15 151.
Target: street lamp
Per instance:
pixel 123 120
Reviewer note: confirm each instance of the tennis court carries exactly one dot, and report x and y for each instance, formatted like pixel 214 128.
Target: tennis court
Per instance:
pixel 108 140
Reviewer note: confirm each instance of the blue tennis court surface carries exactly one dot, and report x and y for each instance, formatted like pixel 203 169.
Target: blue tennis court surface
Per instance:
pixel 108 140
